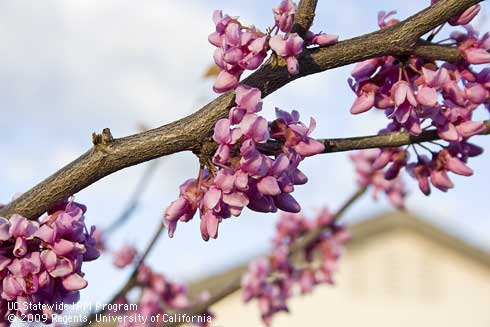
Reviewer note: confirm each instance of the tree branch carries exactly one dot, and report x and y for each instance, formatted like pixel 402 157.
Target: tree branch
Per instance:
pixel 305 14
pixel 189 133
pixel 388 140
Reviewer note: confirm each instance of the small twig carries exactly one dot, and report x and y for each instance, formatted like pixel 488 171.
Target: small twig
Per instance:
pixel 426 149
pixel 438 144
pixel 415 150
pixel 131 282
pixel 388 140
pixel 434 32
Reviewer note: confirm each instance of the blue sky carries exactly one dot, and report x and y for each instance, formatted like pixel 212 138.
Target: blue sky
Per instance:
pixel 69 68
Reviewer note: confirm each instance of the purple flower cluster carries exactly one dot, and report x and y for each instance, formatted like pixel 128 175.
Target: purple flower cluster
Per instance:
pixel 158 295
pixel 369 166
pixel 240 48
pixel 239 174
pixel 417 94
pixel 41 262
pixel 272 281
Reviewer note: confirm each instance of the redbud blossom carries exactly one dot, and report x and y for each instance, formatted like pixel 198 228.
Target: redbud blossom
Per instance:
pixel 284 15
pixel 124 256
pixel 158 296
pixel 41 261
pixel 417 94
pixel 239 175
pixel 271 281
pixel 238 48
pixel 241 47
pixel 288 48
pixel 369 166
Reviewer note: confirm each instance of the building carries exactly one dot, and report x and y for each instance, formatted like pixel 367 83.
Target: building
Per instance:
pixel 398 270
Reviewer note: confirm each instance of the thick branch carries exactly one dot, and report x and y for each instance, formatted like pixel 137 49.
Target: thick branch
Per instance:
pixel 189 133
pixel 305 14
pixel 435 51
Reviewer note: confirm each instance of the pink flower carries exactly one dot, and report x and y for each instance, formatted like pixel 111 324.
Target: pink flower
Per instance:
pixel 421 172
pixel 476 93
pixel 402 92
pixel 254 127
pixel 427 96
pixel 226 81
pixel 365 68
pixel 288 48
pixel 466 17
pixel 226 138
pixel 363 103
pixel 284 15
pixel 383 16
pixel 124 256
pixel 324 39
pixel 369 166
pixel 477 56
pixel 436 79
pixel 296 134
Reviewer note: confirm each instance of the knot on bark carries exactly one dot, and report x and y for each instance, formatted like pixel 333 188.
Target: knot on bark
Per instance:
pixel 102 140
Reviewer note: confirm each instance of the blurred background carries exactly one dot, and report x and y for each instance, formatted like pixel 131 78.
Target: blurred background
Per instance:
pixel 69 68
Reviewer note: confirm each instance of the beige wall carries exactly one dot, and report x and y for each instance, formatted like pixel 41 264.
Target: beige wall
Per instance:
pixel 394 279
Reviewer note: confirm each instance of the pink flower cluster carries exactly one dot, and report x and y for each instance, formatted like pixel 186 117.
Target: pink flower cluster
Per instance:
pixel 240 48
pixel 100 240
pixel 414 91
pixel 272 281
pixel 369 166
pixel 239 174
pixel 124 256
pixel 41 262
pixel 450 159
pixel 417 94
pixel 476 50
pixel 158 295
